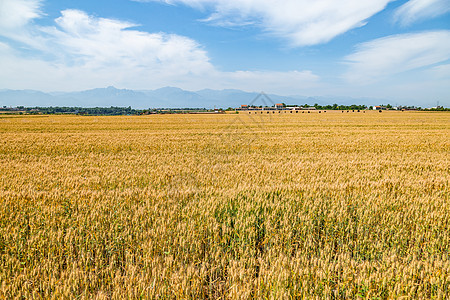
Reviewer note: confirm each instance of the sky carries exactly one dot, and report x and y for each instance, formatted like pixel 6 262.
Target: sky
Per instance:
pixel 397 50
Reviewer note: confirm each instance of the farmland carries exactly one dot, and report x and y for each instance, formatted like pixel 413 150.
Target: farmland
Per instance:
pixel 330 205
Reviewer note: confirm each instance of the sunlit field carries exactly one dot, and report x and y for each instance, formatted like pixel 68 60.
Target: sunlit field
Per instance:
pixel 231 206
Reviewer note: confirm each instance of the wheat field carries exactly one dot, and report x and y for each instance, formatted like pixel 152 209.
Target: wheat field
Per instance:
pixel 229 206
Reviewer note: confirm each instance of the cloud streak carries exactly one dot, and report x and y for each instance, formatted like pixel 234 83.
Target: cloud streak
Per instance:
pixel 16 20
pixel 18 13
pixel 381 58
pixel 301 22
pixel 418 10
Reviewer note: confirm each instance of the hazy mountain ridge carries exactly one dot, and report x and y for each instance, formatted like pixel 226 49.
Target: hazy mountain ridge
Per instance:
pixel 167 97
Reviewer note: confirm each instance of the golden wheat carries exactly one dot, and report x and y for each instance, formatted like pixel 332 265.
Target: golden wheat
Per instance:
pixel 329 205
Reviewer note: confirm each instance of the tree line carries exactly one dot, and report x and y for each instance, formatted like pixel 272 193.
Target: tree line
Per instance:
pixel 119 111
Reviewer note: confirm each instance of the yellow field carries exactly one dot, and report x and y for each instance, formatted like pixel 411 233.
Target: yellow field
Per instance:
pixel 330 205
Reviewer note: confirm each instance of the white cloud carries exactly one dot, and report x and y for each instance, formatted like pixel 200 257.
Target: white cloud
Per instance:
pixel 86 50
pixel 17 13
pixel 81 52
pixel 16 18
pixel 301 22
pixel 416 10
pixel 103 43
pixel 384 57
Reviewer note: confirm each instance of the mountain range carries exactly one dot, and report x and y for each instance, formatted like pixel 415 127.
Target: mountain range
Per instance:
pixel 167 97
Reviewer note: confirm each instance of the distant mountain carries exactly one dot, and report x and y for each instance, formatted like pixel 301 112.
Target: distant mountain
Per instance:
pixel 109 96
pixel 25 98
pixel 101 97
pixel 167 97
pixel 227 98
pixel 170 97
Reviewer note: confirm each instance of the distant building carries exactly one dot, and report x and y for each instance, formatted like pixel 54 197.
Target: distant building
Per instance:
pixel 279 106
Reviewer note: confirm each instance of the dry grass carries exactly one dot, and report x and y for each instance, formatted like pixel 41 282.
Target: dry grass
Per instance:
pixel 327 205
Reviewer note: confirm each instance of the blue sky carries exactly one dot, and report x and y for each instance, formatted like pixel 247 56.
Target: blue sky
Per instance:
pixel 398 50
